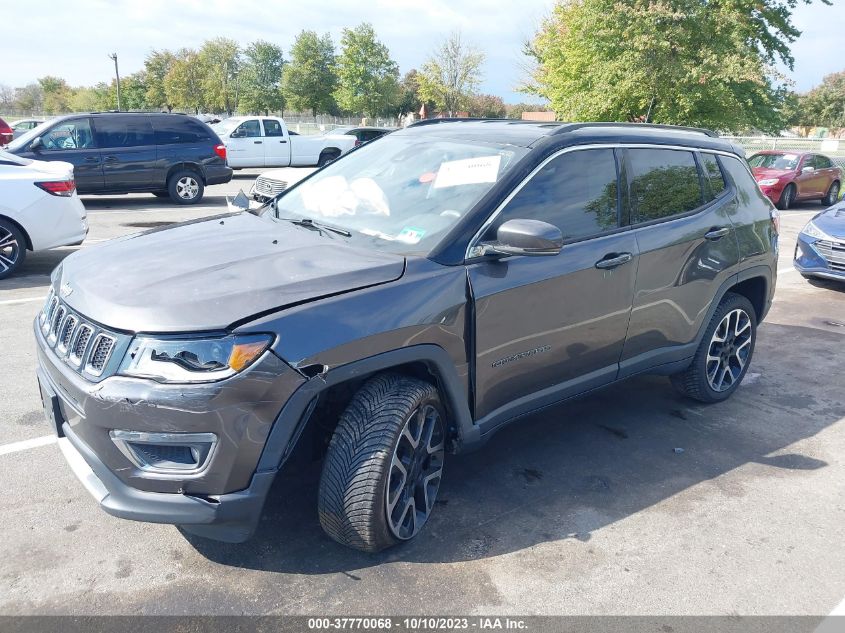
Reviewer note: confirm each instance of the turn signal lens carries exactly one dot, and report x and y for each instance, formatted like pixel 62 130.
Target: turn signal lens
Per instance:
pixel 244 353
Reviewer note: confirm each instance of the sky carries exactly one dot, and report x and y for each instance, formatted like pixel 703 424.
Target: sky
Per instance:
pixel 84 32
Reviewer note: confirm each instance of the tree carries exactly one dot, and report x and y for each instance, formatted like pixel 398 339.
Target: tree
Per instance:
pixel 30 98
pixel 824 105
pixel 7 98
pixel 133 92
pixel 261 78
pixel 689 62
pixel 487 107
pixel 309 80
pixel 158 64
pixel 183 82
pixel 409 99
pixel 515 110
pixel 452 74
pixel 368 79
pixel 56 94
pixel 93 98
pixel 220 61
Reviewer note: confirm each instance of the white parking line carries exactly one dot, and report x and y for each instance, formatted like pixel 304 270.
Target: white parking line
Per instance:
pixel 9 302
pixel 788 269
pixel 24 445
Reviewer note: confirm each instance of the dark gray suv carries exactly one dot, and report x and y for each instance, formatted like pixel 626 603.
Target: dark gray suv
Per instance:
pixel 404 302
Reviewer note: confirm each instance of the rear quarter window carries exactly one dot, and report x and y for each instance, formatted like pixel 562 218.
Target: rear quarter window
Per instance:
pixel 175 129
pixel 713 177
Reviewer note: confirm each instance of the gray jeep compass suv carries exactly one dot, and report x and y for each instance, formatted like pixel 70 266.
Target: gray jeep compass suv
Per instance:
pixel 404 302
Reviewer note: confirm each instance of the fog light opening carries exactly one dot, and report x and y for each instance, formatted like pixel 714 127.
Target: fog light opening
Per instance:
pixel 166 453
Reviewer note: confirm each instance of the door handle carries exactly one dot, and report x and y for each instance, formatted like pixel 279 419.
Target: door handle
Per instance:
pixel 257 142
pixel 612 260
pixel 92 159
pixel 109 159
pixel 717 233
pixel 282 141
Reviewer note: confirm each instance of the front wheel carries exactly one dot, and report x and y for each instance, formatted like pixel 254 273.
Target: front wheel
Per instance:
pixel 832 195
pixel 384 464
pixel 787 197
pixel 724 354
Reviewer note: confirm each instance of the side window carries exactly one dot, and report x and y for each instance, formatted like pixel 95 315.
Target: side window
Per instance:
pixel 124 131
pixel 272 128
pixel 823 162
pixel 73 134
pixel 713 176
pixel 576 192
pixel 247 129
pixel 171 129
pixel 664 182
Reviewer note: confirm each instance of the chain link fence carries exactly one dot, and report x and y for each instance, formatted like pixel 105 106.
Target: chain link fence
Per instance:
pixel 830 147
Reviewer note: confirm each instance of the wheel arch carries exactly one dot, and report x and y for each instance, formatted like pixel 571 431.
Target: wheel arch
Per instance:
pixel 19 226
pixel 186 165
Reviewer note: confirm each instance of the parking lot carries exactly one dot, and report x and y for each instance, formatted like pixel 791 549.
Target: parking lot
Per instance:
pixel 629 501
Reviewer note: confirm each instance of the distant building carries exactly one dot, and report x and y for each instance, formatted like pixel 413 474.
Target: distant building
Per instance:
pixel 538 116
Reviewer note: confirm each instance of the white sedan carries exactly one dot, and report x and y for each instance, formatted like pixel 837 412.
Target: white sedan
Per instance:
pixel 39 209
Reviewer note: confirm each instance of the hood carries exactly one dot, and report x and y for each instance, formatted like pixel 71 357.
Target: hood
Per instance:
pixel 761 173
pixel 832 221
pixel 206 275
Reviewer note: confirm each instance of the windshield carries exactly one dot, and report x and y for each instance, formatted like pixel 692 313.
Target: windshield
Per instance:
pixel 404 192
pixel 225 126
pixel 775 161
pixel 24 139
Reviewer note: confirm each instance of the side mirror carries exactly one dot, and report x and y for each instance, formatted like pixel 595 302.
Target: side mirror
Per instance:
pixel 36 144
pixel 237 134
pixel 808 169
pixel 526 237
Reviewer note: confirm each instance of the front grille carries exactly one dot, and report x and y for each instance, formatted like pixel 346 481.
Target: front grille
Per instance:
pixel 269 187
pixel 82 344
pixel 833 253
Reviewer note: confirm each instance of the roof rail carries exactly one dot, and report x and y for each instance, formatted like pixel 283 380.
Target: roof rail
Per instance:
pixel 571 127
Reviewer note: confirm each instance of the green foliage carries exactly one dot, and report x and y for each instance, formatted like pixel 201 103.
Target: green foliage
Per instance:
pixel 158 64
pixel 515 110
pixel 261 78
pixel 183 84
pixel 92 98
pixel 451 74
pixel 219 59
pixel 56 94
pixel 310 79
pixel 824 105
pixel 692 62
pixel 487 107
pixel 368 79
pixel 30 98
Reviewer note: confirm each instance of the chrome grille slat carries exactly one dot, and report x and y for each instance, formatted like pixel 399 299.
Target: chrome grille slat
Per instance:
pixel 833 253
pixel 85 346
pixel 269 187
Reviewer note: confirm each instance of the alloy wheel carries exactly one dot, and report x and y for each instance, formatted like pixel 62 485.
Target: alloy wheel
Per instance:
pixel 787 200
pixel 10 250
pixel 834 193
pixel 729 350
pixel 415 472
pixel 187 188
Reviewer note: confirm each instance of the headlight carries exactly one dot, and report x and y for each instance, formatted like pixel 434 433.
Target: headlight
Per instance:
pixel 813 231
pixel 768 182
pixel 192 359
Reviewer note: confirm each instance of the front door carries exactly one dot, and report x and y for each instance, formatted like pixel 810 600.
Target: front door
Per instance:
pixel 276 145
pixel 72 141
pixel 245 145
pixel 548 327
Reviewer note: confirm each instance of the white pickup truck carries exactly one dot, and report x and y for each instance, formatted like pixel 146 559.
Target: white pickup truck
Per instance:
pixel 260 141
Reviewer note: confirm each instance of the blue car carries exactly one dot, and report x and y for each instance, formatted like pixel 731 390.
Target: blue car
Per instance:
pixel 820 251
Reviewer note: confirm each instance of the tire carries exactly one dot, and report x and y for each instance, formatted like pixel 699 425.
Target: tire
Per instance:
pixel 715 361
pixel 787 197
pixel 327 156
pixel 365 502
pixel 12 248
pixel 832 195
pixel 185 187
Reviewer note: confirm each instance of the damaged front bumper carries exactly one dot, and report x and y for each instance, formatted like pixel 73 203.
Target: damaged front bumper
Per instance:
pixel 224 499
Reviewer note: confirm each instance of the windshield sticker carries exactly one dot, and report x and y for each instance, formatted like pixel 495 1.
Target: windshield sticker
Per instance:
pixel 379 234
pixel 410 235
pixel 790 156
pixel 469 171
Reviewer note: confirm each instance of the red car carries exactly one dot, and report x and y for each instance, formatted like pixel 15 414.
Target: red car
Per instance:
pixel 6 133
pixel 786 177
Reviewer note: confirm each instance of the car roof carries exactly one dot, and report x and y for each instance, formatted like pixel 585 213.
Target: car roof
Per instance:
pixel 529 133
pixel 796 152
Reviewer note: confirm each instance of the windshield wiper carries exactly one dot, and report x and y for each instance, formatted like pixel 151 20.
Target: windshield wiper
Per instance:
pixel 309 223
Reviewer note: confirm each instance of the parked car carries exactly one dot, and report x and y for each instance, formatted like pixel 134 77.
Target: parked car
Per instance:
pixel 259 141
pixel 403 302
pixel 39 209
pixel 6 133
pixel 820 250
pixel 362 134
pixel 788 177
pixel 126 152
pixel 273 182
pixel 24 125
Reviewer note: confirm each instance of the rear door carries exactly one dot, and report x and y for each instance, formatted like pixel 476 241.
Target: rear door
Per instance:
pixel 276 145
pixel 681 212
pixel 808 181
pixel 830 172
pixel 128 150
pixel 72 140
pixel 245 145
pixel 552 326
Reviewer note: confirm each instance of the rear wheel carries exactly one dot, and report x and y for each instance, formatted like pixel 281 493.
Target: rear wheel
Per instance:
pixel 832 195
pixel 787 197
pixel 185 187
pixel 384 464
pixel 327 156
pixel 12 248
pixel 723 356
